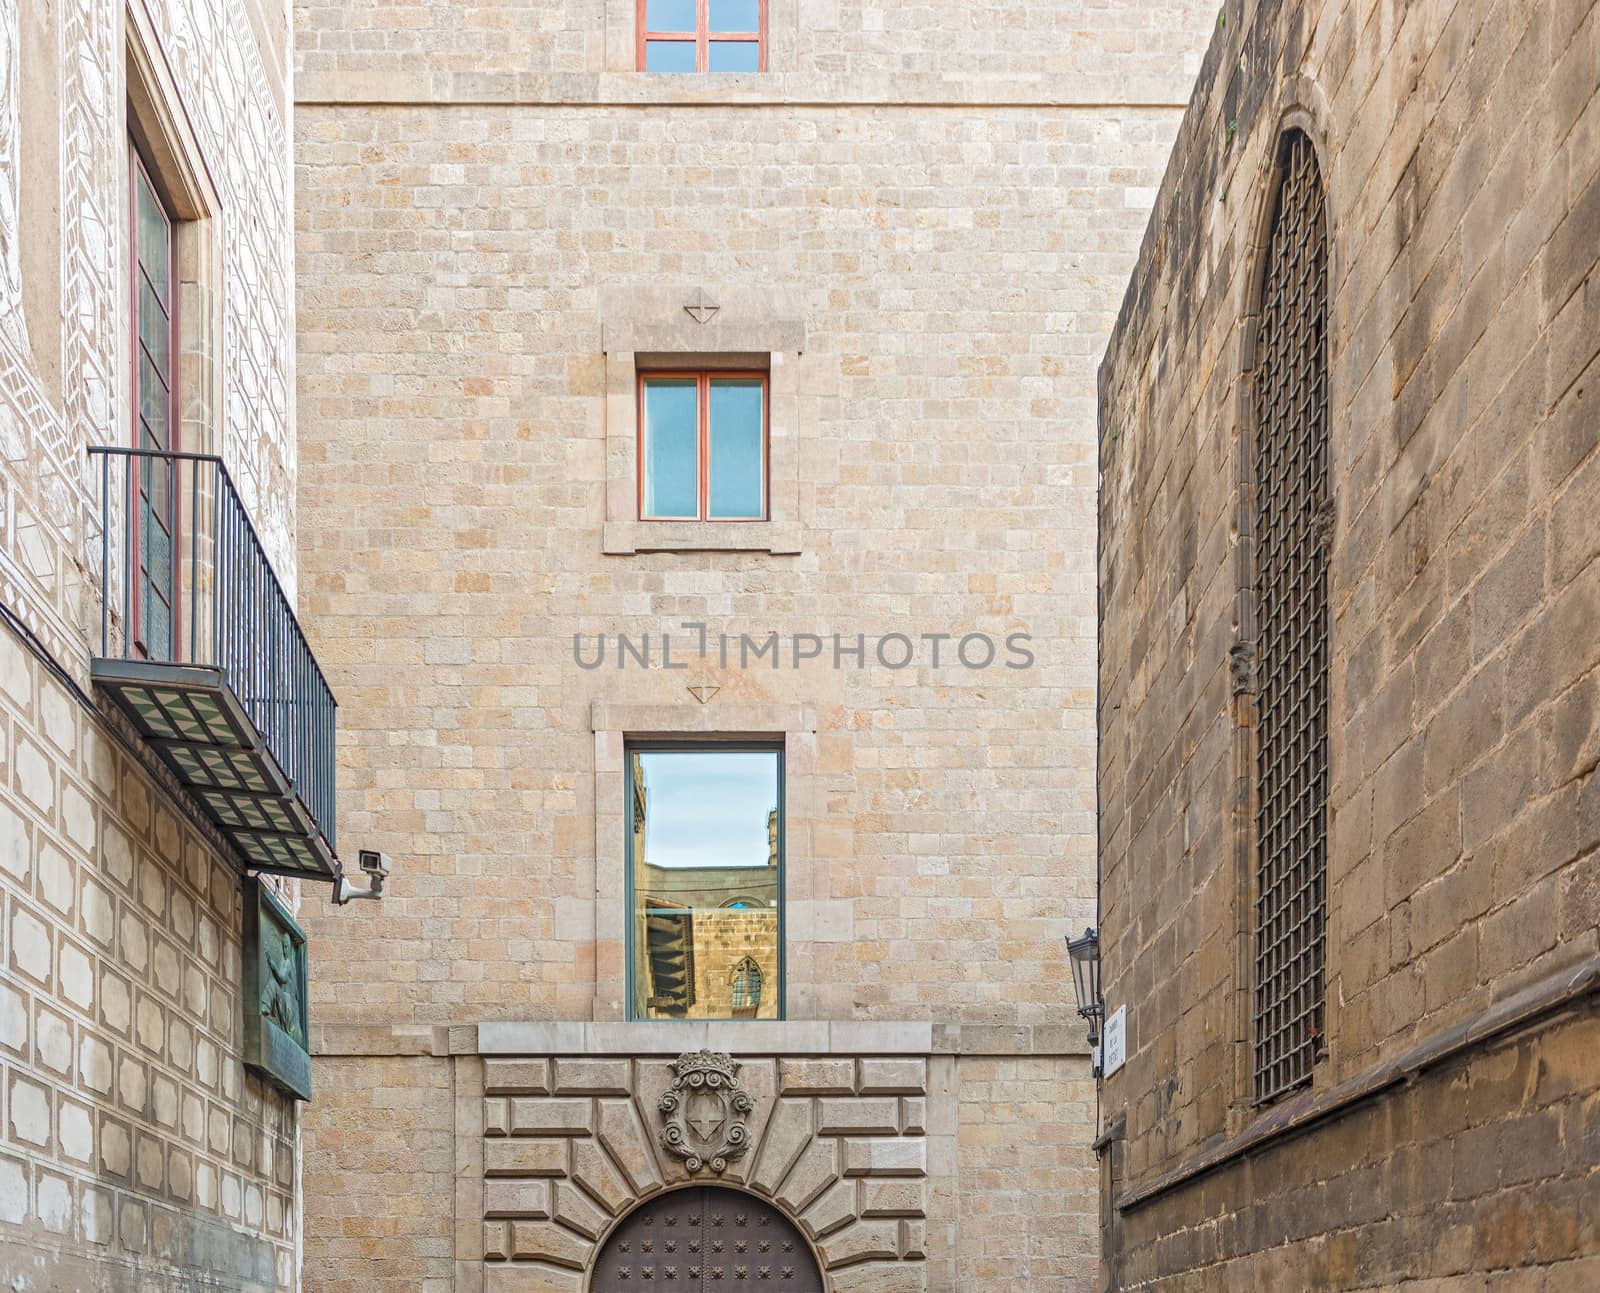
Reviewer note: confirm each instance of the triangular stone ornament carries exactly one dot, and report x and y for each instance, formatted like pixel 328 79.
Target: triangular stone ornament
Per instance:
pixel 704 692
pixel 701 307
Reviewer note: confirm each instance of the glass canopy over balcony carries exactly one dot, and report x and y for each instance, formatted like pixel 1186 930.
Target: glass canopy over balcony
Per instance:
pixel 200 648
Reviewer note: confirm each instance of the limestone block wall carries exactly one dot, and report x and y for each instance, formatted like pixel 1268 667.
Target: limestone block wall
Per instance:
pixel 920 220
pixel 134 1148
pixel 1458 148
pixel 913 1158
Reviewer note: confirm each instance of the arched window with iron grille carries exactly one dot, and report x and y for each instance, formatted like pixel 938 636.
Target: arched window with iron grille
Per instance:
pixel 1291 532
pixel 746 983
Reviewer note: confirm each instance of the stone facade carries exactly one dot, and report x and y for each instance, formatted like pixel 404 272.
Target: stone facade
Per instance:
pixel 134 1147
pixel 1446 1139
pixel 918 222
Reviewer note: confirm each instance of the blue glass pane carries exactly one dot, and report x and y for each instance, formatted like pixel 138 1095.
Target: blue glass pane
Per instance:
pixel 735 15
pixel 669 56
pixel 672 448
pixel 734 56
pixel 669 15
pixel 738 473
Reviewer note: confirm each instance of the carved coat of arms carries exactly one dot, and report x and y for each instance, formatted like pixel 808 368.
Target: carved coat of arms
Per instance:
pixel 705 1110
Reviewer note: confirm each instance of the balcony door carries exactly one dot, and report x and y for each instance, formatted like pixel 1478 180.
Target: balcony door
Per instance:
pixel 153 495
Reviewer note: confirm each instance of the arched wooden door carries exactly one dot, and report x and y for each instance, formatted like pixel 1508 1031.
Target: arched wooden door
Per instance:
pixel 706 1240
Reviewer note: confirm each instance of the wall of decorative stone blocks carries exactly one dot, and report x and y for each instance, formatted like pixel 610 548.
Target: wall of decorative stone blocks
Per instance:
pixel 133 1146
pixel 570 1143
pixel 134 1149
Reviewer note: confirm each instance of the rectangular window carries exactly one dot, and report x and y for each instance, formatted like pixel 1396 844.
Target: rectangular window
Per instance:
pixel 153 306
pixel 705 881
pixel 702 35
pixel 703 447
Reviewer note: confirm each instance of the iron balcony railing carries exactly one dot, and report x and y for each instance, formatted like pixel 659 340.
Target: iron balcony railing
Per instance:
pixel 187 583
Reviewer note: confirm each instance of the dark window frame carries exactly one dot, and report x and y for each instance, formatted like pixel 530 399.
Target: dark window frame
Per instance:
pixel 1290 511
pixel 703 377
pixel 143 472
pixel 702 37
pixel 708 745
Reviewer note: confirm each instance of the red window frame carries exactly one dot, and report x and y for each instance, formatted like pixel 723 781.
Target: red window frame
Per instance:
pixel 703 377
pixel 702 35
pixel 142 471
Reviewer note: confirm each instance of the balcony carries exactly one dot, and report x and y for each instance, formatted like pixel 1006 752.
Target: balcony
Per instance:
pixel 200 648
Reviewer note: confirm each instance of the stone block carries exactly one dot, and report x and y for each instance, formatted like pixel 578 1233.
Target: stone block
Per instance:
pixel 893 1198
pixel 788 1131
pixel 547 1241
pixel 29 1111
pixel 593 1169
pixel 54 1207
pixel 858 1117
pixel 625 1139
pixel 496 1117
pixel 914 1116
pixel 534 1117
pixel 894 1077
pixel 518 1277
pixel 13 1020
pixel 816 1077
pixel 882 1277
pixel 913 1239
pixel 816 1169
pixel 864 1241
pixel 496 1240
pixel 516 1077
pixel 525 1157
pixel 904 1156
pixel 30 945
pixel 516 1198
pixel 116 1147
pixel 833 1208
pixel 593 1077
pixel 13 1190
pixel 575 1211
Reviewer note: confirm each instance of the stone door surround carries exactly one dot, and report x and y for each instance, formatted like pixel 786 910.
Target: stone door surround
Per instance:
pixel 846 1131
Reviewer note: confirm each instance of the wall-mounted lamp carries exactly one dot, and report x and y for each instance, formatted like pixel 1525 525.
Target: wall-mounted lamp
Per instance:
pixel 1085 953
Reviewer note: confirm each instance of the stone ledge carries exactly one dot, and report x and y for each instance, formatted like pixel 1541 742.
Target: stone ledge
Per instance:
pixel 1549 996
pixel 624 538
pixel 773 1037
pixel 798 1037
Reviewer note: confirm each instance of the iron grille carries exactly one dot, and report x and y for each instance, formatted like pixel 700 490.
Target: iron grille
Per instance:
pixel 200 644
pixel 1291 597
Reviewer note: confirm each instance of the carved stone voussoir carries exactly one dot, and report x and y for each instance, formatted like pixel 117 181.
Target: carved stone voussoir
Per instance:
pixel 705 1112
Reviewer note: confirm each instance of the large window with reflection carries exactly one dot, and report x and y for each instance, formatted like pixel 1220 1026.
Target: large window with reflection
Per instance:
pixel 705 880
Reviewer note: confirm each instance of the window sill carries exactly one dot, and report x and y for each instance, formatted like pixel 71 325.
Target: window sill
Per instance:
pixel 624 538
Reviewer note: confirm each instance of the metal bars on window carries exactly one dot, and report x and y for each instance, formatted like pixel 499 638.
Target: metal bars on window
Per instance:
pixel 1291 599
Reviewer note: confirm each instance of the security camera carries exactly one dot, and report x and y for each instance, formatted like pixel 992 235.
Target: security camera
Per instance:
pixel 374 864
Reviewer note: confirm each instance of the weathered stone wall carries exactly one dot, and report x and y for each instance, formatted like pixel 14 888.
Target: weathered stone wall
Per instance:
pixel 913 1157
pixel 379 1167
pixel 921 217
pixel 1459 149
pixel 134 1149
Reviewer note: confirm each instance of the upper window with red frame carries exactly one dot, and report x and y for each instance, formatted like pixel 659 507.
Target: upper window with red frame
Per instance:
pixel 702 35
pixel 703 446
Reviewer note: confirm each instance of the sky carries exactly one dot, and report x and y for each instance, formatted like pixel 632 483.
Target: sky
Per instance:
pixel 708 808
